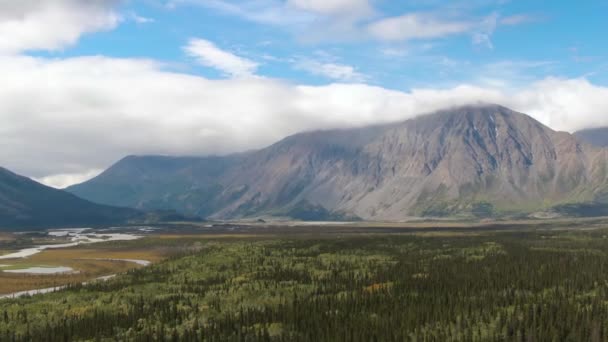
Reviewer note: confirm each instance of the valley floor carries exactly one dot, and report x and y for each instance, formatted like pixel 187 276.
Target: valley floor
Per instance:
pixel 24 266
pixel 541 281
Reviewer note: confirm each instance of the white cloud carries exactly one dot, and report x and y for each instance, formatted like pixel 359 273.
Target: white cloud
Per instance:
pixel 416 26
pixel 566 104
pixel 334 7
pixel 309 20
pixel 62 181
pixel 91 111
pixel 394 52
pixel 52 24
pixel 334 71
pixel 208 54
pixel 271 12
pixel 314 21
pixel 284 13
pixel 484 32
pixel 519 19
pixel 140 19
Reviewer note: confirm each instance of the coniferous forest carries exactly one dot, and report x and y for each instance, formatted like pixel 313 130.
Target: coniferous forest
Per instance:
pixel 478 286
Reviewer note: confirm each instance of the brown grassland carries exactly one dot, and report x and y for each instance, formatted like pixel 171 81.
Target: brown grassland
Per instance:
pixel 81 259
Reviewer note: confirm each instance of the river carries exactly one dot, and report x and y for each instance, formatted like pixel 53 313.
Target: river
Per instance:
pixel 75 236
pixel 57 288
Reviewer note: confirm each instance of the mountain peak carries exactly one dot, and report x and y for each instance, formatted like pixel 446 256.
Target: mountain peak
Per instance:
pixel 476 106
pixel 442 163
pixel 478 110
pixel 479 121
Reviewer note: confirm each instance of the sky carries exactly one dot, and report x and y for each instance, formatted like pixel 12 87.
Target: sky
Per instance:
pixel 84 83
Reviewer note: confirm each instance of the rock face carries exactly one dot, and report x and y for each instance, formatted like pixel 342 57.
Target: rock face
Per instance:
pixel 597 136
pixel 479 161
pixel 27 204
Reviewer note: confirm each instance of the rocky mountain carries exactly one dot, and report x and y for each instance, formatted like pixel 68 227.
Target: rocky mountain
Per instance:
pixel 483 160
pixel 25 203
pixel 596 136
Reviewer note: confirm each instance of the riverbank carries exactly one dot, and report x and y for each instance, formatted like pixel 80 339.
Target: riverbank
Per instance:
pixel 19 294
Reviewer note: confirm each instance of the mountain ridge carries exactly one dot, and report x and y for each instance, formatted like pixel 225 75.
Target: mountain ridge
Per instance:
pixel 25 203
pixel 480 160
pixel 594 136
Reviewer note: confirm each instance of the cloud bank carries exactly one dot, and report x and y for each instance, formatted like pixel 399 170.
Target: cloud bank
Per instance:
pixel 52 24
pixel 74 116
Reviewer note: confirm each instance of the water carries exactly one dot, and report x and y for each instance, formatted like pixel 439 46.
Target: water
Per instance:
pixel 43 270
pixel 66 231
pixel 50 289
pixel 31 292
pixel 77 237
pixel 27 252
pixel 135 261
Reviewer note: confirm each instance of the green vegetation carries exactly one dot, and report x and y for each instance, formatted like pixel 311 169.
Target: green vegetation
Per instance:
pixel 533 285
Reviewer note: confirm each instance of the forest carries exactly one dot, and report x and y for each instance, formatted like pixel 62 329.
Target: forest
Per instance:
pixel 520 285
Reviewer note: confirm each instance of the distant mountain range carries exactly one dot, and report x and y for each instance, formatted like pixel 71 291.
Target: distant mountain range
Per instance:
pixel 471 161
pixel 28 204
pixel 595 136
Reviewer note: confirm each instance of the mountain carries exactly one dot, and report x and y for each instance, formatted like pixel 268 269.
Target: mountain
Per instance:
pixel 482 160
pixel 185 184
pixel 594 136
pixel 25 203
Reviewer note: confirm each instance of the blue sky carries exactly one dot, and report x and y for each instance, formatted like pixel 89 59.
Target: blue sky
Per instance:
pixel 500 41
pixel 86 82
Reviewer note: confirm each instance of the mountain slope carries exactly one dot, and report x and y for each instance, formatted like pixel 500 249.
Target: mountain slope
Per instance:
pixel 25 204
pixel 473 160
pixel 596 136
pixel 183 184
